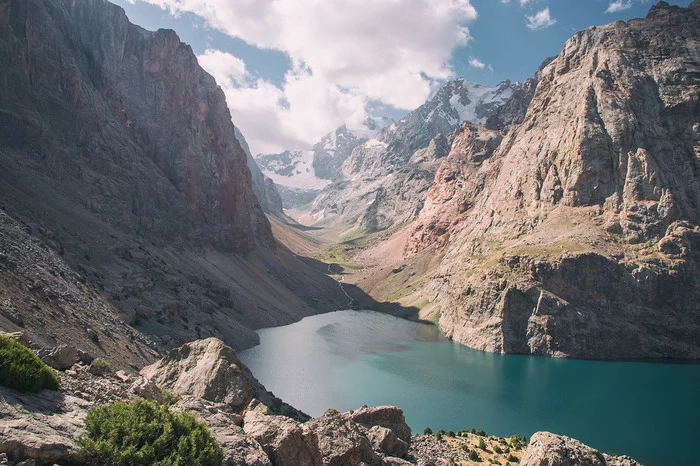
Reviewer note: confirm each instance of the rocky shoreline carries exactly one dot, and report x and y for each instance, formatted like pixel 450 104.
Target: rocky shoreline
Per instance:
pixel 252 426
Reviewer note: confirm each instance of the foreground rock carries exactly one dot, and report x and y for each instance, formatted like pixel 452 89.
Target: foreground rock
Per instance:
pixel 342 441
pixel 286 441
pixel 204 369
pixel 546 449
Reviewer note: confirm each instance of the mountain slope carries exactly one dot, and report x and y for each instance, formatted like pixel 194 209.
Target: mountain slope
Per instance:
pixel 578 234
pixel 384 181
pixel 118 152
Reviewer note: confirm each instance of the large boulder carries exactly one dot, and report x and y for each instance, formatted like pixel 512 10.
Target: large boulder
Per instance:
pixel 64 357
pixel 206 369
pixel 385 441
pixel 341 441
pixel 390 417
pixel 546 449
pixel 286 441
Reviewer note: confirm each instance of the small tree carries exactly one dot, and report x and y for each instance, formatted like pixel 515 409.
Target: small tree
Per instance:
pixel 482 444
pixel 428 431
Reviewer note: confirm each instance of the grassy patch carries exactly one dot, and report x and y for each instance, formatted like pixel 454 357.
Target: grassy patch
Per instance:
pixel 22 370
pixel 145 433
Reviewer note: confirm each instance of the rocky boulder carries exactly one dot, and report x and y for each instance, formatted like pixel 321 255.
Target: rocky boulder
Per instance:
pixel 390 417
pixel 64 357
pixel 286 441
pixel 342 441
pixel 546 449
pixel 385 441
pixel 206 369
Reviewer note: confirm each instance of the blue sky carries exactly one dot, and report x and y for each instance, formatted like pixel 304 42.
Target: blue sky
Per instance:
pixel 293 70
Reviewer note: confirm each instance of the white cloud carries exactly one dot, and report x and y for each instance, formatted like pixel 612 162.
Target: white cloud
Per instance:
pixel 476 63
pixel 618 5
pixel 344 53
pixel 524 2
pixel 540 20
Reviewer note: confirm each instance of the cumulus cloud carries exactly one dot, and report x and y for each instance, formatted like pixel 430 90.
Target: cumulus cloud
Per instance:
pixel 344 53
pixel 540 20
pixel 618 5
pixel 476 63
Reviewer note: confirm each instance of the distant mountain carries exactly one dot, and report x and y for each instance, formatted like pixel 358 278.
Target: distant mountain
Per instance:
pixel 303 173
pixel 385 179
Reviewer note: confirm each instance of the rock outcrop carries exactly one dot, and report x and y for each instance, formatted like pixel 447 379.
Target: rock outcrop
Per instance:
pixel 576 235
pixel 546 449
pixel 205 369
pixel 342 441
pixel 264 188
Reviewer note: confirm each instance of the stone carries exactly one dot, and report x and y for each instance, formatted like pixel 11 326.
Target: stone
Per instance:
pixel 385 441
pixel 341 441
pixel 147 389
pixel 390 417
pixel 64 357
pixel 42 426
pixel 546 449
pixel 285 441
pixel 206 369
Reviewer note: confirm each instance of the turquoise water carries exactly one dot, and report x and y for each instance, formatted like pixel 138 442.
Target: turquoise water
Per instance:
pixel 346 359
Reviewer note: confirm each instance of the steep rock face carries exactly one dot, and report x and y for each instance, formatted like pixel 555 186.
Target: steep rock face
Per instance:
pixel 130 124
pixel 117 151
pixel 264 188
pixel 385 180
pixel 576 236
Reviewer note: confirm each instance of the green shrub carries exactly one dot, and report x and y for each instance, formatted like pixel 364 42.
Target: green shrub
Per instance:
pixel 450 433
pixel 22 370
pixel 482 444
pixel 474 456
pixel 100 367
pixel 428 431
pixel 480 432
pixel 438 436
pixel 144 433
pixel 497 449
pixel 512 459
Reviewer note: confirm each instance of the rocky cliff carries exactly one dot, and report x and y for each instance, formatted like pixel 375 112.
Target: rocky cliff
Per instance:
pixel 117 151
pixel 385 179
pixel 576 232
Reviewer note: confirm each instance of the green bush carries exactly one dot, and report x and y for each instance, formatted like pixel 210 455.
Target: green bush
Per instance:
pixel 497 449
pixel 474 456
pixel 427 431
pixel 450 433
pixel 144 433
pixel 22 370
pixel 512 459
pixel 100 367
pixel 438 436
pixel 482 444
